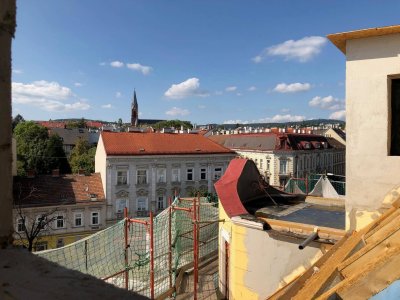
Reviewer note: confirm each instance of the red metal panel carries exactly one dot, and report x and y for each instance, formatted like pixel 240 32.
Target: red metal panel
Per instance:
pixel 227 191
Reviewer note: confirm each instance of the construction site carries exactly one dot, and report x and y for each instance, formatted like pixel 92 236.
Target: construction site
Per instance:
pixel 172 254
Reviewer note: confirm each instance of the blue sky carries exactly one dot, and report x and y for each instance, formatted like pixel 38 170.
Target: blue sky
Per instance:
pixel 208 61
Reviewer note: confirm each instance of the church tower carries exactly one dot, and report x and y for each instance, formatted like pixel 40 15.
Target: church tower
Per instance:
pixel 134 111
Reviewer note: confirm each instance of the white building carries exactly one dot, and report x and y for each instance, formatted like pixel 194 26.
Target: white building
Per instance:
pixel 280 156
pixel 140 170
pixel 373 120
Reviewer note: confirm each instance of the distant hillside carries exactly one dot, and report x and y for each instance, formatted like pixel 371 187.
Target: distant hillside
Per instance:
pixel 306 123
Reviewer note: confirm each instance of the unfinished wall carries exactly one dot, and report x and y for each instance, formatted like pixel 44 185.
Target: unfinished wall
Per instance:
pixel 260 264
pixel 7 28
pixel 371 172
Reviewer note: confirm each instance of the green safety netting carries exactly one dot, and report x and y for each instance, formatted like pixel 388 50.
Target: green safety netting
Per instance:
pixel 103 254
pixel 303 186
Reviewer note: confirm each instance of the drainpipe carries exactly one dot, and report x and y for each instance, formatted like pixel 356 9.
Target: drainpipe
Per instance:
pixel 310 239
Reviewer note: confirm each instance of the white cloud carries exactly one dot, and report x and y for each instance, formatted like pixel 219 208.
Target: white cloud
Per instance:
pixel 201 106
pixel 338 115
pixel 292 87
pixel 231 88
pixel 49 96
pixel 102 63
pixel 107 106
pixel 328 102
pixel 235 122
pixel 17 71
pixel 252 88
pixel 78 84
pixel 285 110
pixel 176 111
pixel 218 93
pixel 301 50
pixel 145 70
pixel 187 88
pixel 118 94
pixel 238 94
pixel 116 64
pixel 283 118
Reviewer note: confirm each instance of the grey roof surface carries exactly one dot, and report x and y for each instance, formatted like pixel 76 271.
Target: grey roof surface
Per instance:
pixel 250 142
pixel 70 136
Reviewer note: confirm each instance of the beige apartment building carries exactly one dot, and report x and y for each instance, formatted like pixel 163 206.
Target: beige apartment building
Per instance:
pixel 141 170
pixel 281 156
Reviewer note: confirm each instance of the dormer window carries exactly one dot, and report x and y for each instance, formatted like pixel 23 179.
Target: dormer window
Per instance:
pixel 307 145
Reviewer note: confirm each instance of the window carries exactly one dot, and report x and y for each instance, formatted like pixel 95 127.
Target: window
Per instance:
pixel 95 217
pixel 282 167
pixel 160 202
pixel 40 246
pixel 141 204
pixel 141 176
pixel 395 118
pixel 256 162
pixel 161 175
pixel 122 177
pixel 60 243
pixel 268 164
pixel 60 221
pixel 78 219
pixel 203 174
pixel 176 175
pixel 41 221
pixel 21 225
pixel 261 163
pixel 217 173
pixel 120 205
pixel 189 174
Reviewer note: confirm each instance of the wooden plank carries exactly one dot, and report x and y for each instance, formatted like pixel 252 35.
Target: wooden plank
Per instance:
pixel 378 262
pixel 377 251
pixel 292 290
pixel 316 284
pixel 380 236
pixel 307 228
pixel 388 220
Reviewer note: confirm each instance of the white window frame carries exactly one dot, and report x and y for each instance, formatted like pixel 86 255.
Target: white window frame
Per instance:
pixel 92 213
pixel 18 223
pixel 43 244
pixel 57 219
pixel 161 199
pixel 141 200
pixel 76 214
pixel 190 171
pixel 141 181
pixel 283 163
pixel 203 173
pixel 268 164
pixel 121 178
pixel 176 177
pixel 161 175
pixel 218 172
pixel 120 204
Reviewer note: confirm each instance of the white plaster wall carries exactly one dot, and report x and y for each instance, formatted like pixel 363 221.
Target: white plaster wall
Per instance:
pixel 100 164
pixel 371 173
pixel 272 263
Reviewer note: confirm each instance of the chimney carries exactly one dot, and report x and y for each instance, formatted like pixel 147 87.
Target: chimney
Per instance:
pixel 55 173
pixel 30 173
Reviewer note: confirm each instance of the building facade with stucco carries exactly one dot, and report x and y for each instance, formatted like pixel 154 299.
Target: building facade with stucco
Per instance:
pixel 281 156
pixel 141 170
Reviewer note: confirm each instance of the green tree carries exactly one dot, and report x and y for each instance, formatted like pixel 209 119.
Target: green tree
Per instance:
pixel 37 151
pixel 77 124
pixel 173 123
pixel 82 157
pixel 16 120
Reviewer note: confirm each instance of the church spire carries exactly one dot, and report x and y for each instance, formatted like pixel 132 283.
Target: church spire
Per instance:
pixel 134 110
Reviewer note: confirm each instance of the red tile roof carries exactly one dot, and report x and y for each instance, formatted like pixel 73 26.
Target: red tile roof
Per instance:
pixel 45 190
pixel 133 143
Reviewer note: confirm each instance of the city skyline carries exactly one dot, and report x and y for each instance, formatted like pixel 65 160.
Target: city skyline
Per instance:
pixel 208 62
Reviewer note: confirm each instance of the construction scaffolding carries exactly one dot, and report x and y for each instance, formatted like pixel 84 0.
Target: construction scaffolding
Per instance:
pixel 146 255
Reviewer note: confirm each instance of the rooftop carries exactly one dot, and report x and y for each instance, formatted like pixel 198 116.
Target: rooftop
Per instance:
pixel 46 190
pixel 340 39
pixel 134 143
